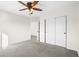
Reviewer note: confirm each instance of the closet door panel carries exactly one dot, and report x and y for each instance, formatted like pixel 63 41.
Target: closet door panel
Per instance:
pixel 50 31
pixel 60 31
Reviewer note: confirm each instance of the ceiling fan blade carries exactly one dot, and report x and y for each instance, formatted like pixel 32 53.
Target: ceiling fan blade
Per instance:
pixel 37 9
pixel 22 3
pixel 23 9
pixel 34 3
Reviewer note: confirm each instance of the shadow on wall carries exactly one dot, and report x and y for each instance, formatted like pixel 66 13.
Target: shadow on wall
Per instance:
pixel 3 40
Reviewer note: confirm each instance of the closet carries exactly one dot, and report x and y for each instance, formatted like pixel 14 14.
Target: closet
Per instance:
pixel 51 30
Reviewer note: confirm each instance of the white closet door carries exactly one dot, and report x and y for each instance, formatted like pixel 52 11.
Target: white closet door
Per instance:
pixel 60 31
pixel 50 31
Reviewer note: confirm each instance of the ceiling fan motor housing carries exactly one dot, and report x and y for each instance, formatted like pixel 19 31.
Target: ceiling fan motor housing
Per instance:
pixel 29 4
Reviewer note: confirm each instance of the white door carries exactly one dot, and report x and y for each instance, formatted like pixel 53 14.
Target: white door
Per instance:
pixel 61 31
pixel 50 31
pixel 56 31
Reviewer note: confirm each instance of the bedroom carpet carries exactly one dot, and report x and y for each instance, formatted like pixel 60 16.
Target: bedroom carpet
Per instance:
pixel 32 48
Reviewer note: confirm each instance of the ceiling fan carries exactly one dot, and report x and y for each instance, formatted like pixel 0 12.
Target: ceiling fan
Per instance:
pixel 30 6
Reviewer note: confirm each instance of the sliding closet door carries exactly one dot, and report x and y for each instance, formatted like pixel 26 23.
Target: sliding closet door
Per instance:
pixel 50 31
pixel 61 31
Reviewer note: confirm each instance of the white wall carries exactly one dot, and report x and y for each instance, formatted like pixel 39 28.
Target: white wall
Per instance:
pixel 16 27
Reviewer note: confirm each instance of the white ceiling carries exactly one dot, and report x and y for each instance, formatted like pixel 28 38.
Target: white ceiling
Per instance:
pixel 14 6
